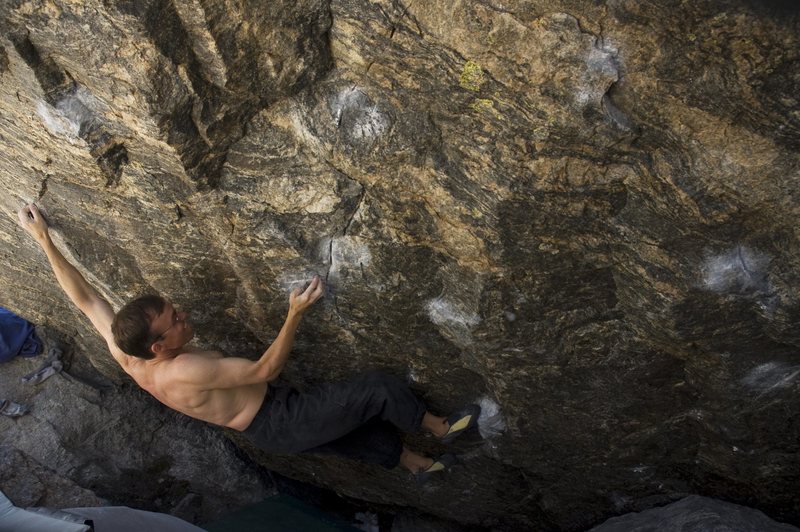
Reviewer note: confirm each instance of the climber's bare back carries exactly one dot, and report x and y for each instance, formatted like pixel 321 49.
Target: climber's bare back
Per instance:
pixel 229 407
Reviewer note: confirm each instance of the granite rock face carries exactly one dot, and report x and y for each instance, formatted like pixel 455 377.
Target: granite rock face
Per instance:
pixel 695 513
pixel 580 213
pixel 88 444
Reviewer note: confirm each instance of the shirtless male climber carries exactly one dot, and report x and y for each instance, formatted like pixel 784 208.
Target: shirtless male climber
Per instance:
pixel 358 419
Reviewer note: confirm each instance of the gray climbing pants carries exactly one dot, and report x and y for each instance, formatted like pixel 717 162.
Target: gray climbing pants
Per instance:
pixel 357 418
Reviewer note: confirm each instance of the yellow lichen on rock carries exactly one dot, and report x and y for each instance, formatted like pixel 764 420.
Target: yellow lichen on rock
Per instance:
pixel 472 76
pixel 485 104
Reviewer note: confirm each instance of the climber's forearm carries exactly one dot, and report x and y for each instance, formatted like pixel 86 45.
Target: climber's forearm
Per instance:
pixel 69 278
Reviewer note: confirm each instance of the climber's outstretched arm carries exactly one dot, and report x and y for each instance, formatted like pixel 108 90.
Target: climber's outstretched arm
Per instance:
pixel 85 297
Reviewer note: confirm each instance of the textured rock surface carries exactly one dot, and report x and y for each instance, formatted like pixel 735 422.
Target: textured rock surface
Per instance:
pixel 583 212
pixel 698 514
pixel 83 445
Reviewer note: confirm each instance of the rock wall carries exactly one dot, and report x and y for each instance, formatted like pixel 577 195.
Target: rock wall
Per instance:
pixel 86 443
pixel 580 213
pixel 694 514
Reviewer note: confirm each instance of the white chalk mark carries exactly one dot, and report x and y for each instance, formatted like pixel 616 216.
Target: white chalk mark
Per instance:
pixel 290 281
pixel 739 269
pixel 444 312
pixel 490 423
pixel 360 118
pixel 76 111
pixel 344 252
pixel 455 310
pixel 55 121
pixel 78 107
pixel 351 250
pixel 601 72
pixel 770 377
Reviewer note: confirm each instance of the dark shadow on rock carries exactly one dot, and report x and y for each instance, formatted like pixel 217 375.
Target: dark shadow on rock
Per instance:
pixel 722 323
pixel 111 161
pixel 73 101
pixel 695 514
pixel 784 11
pixel 53 80
pixel 204 119
pixel 3 59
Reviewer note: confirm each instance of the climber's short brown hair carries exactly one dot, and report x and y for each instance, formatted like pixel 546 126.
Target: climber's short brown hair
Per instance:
pixel 131 325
